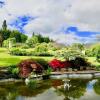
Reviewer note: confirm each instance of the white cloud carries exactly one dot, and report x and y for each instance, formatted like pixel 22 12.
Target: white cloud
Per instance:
pixel 54 14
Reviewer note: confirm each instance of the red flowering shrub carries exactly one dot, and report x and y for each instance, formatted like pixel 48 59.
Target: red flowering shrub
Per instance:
pixel 27 66
pixel 57 64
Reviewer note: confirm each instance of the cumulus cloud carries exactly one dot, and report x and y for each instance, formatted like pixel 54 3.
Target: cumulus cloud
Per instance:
pixel 52 16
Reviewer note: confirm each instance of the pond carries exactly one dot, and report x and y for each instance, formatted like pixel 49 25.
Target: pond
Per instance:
pixel 79 89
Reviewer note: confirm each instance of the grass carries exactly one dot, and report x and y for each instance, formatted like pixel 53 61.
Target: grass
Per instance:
pixel 6 59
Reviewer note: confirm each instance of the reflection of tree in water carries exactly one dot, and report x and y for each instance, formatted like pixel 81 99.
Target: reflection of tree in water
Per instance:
pixel 77 89
pixel 97 87
pixel 11 91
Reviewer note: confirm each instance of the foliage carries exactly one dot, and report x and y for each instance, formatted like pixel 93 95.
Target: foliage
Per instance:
pixel 32 84
pixel 48 71
pixel 77 46
pixel 18 51
pixel 57 64
pixel 69 54
pixel 23 38
pixel 89 53
pixel 32 41
pixel 11 40
pixel 42 62
pixel 93 50
pixel 98 56
pixel 27 66
pixel 37 39
pixel 17 35
pixel 27 52
pixel 4 25
pixel 77 89
pixel 80 62
pixel 97 87
pixel 14 70
pixel 5 34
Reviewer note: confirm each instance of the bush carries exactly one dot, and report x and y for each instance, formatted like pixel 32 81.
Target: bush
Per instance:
pixel 69 54
pixel 98 56
pixel 18 52
pixel 57 64
pixel 89 53
pixel 42 62
pixel 14 70
pixel 28 66
pixel 78 62
pixel 75 63
pixel 8 42
pixel 26 52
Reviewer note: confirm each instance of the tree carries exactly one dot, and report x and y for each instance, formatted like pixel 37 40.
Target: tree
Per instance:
pixel 77 46
pixel 32 41
pixel 4 26
pixel 1 40
pixel 17 35
pixel 5 34
pixel 23 38
pixel 46 39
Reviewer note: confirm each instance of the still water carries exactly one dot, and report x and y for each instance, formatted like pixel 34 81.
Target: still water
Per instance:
pixel 80 89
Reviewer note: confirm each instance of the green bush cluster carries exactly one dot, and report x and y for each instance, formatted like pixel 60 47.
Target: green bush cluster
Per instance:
pixel 93 51
pixel 25 52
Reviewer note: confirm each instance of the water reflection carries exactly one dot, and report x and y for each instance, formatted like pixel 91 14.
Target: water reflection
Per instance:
pixel 96 87
pixel 75 91
pixel 80 89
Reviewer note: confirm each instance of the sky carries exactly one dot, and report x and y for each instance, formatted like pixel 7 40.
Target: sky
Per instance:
pixel 64 21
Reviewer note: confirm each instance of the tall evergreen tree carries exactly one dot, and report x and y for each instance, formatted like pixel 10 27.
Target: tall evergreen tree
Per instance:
pixel 4 26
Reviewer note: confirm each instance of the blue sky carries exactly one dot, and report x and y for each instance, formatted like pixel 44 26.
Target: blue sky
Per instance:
pixel 65 21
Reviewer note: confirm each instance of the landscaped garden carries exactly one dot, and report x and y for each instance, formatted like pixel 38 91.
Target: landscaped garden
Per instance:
pixel 32 58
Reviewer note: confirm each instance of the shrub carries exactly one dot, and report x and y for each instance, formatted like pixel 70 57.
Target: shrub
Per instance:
pixel 89 53
pixel 98 56
pixel 78 62
pixel 9 42
pixel 57 64
pixel 18 52
pixel 14 70
pixel 27 66
pixel 69 54
pixel 42 62
pixel 26 52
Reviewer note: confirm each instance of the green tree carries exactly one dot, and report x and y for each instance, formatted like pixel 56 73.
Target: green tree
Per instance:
pixel 23 38
pixel 46 39
pixel 5 34
pixel 17 36
pixel 77 46
pixel 4 26
pixel 1 40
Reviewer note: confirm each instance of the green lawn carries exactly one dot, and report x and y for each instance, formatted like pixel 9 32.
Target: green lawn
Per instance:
pixel 6 59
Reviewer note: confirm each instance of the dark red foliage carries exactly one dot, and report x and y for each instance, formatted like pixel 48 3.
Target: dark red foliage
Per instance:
pixel 27 66
pixel 66 64
pixel 57 64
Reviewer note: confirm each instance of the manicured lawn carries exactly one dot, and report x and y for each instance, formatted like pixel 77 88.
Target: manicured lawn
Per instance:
pixel 6 59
